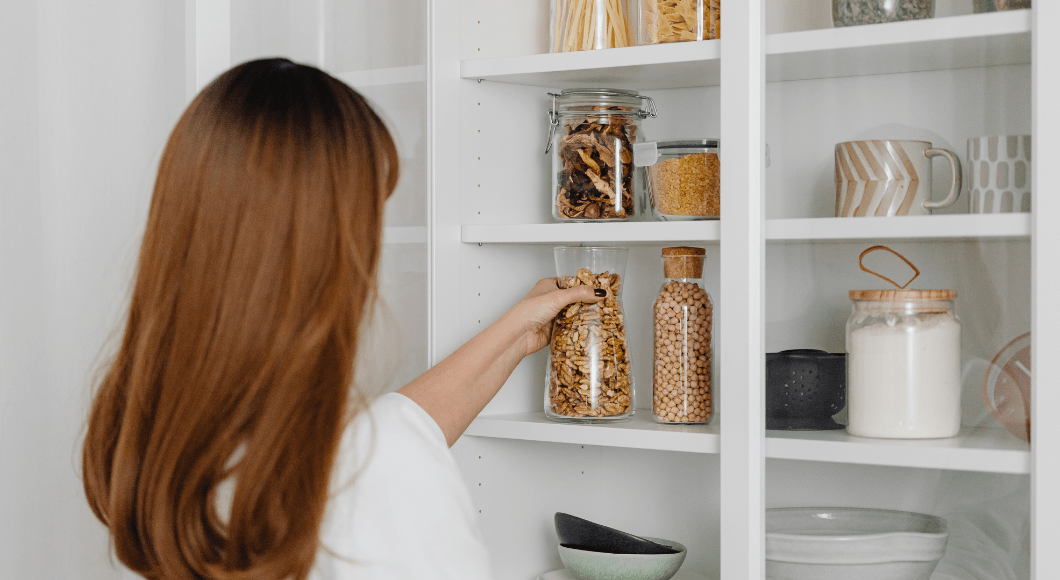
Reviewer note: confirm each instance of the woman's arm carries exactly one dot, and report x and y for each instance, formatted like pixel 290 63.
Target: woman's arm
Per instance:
pixel 455 391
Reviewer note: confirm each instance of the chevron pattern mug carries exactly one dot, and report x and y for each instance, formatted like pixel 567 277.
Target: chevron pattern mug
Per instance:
pixel 889 178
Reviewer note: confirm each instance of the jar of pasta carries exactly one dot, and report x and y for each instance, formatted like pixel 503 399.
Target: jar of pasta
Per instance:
pixel 679 20
pixel 591 137
pixel 589 377
pixel 592 24
pixel 683 315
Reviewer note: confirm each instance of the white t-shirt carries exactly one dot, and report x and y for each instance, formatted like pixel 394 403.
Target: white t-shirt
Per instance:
pixel 407 514
pixel 399 509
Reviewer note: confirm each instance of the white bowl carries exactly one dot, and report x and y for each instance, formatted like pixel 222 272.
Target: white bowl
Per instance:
pixel 842 543
pixel 586 565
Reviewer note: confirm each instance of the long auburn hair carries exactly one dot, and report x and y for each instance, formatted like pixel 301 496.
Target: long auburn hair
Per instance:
pixel 257 267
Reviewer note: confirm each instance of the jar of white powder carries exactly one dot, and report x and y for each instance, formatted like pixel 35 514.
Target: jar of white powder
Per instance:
pixel 903 364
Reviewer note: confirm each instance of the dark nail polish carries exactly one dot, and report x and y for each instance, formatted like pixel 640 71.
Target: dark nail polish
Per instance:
pixel 600 292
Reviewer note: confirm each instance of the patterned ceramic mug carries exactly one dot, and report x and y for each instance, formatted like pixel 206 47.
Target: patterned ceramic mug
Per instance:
pixel 999 173
pixel 889 178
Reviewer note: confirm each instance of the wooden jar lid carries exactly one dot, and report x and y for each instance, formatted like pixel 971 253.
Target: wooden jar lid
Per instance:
pixel 902 295
pixel 683 262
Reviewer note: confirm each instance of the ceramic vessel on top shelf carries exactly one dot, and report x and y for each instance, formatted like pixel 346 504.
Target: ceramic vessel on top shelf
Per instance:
pixel 858 12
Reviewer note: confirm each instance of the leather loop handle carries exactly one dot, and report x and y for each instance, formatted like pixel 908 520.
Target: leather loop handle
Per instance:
pixel 878 275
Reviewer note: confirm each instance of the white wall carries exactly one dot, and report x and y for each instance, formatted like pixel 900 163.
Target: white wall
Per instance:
pixel 90 92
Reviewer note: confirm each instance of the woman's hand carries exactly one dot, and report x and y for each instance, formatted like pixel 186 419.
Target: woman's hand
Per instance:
pixel 544 301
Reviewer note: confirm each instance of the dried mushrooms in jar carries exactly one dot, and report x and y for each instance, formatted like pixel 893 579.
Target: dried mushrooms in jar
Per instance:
pixel 591 137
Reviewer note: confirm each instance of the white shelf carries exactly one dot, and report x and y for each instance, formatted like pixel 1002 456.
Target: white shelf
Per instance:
pixel 906 228
pixel 976 40
pixel 640 432
pixel 681 64
pixel 620 232
pixel 384 76
pixel 912 228
pixel 936 44
pixel 974 449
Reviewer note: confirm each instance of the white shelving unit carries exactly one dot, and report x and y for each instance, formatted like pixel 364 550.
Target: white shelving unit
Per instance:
pixel 641 432
pixel 974 449
pixel 911 228
pixel 937 44
pixel 505 235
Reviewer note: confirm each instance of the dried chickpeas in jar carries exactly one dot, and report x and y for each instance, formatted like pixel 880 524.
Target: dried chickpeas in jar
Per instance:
pixel 683 317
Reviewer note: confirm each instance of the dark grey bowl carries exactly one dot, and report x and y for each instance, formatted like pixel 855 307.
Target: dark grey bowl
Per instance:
pixel 804 388
pixel 579 534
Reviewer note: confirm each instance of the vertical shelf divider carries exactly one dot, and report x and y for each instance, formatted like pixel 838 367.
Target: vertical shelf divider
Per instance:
pixel 207 43
pixel 1045 280
pixel 742 292
pixel 443 169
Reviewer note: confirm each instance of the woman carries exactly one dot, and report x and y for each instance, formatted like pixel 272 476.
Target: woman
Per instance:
pixel 226 440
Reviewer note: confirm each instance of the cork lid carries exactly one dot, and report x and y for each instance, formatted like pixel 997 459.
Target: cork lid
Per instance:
pixel 902 295
pixel 683 251
pixel 683 262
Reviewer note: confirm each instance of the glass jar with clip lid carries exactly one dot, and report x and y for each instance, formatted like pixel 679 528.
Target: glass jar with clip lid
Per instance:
pixel 591 137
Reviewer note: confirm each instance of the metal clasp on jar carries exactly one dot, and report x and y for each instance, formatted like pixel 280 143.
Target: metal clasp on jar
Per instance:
pixel 648 111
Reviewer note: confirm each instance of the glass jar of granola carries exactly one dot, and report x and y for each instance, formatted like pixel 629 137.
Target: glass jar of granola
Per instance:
pixel 589 377
pixel 591 137
pixel 684 317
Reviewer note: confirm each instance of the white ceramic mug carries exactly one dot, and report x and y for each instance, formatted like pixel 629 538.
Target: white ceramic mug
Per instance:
pixel 999 174
pixel 889 178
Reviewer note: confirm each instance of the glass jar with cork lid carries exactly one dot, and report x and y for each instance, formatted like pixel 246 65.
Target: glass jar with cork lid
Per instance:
pixel 683 316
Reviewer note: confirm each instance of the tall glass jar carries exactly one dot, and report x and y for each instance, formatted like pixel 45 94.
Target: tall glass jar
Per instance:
pixel 903 364
pixel 591 137
pixel 589 377
pixel 684 316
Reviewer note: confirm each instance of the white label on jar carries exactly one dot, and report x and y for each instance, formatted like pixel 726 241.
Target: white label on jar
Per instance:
pixel 904 379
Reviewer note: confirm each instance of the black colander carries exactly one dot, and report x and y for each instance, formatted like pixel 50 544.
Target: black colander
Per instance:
pixel 804 388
